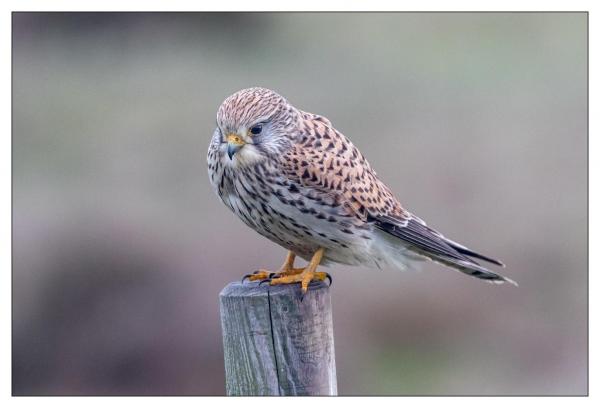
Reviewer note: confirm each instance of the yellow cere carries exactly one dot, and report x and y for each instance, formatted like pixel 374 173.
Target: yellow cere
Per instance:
pixel 234 139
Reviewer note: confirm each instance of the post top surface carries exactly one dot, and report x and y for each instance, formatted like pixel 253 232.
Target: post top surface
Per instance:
pixel 253 289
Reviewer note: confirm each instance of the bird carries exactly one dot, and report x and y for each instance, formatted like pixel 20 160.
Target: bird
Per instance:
pixel 295 179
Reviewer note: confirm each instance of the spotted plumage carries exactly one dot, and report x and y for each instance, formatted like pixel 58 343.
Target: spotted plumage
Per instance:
pixel 293 178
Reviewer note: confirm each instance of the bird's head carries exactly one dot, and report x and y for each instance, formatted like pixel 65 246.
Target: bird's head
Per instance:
pixel 254 124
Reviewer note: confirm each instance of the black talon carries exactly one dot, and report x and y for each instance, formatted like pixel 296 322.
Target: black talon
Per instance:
pixel 263 281
pixel 327 276
pixel 249 275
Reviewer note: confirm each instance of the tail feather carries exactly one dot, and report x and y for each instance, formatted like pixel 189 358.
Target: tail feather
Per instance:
pixel 466 251
pixel 431 244
pixel 474 270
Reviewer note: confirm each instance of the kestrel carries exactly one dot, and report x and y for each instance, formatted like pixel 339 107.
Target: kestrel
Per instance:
pixel 295 179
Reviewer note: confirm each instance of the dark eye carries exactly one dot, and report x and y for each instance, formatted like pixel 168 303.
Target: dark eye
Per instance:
pixel 256 129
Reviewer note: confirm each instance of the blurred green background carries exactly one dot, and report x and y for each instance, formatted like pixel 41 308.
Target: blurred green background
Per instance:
pixel 478 122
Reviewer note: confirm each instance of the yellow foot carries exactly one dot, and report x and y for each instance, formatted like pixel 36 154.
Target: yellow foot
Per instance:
pixel 286 269
pixel 263 274
pixel 288 274
pixel 305 277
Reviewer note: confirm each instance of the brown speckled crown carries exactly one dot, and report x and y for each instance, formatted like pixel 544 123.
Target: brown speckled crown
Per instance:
pixel 245 106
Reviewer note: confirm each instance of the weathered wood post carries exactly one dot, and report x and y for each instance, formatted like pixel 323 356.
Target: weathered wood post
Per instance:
pixel 274 343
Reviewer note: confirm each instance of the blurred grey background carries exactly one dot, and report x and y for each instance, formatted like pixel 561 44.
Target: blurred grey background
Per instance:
pixel 478 122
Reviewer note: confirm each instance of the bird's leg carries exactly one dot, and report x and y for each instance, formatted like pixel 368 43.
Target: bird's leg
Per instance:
pixel 286 269
pixel 307 274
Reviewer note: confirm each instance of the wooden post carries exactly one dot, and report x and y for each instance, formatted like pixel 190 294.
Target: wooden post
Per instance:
pixel 274 343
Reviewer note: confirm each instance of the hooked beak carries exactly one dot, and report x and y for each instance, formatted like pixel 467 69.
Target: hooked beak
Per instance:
pixel 234 144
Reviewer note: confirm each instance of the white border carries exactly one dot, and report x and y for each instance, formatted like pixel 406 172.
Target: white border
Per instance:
pixel 321 5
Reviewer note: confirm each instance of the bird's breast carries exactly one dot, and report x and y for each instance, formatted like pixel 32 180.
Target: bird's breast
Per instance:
pixel 292 215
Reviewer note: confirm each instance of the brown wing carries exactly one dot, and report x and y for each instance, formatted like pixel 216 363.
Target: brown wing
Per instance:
pixel 338 174
pixel 324 159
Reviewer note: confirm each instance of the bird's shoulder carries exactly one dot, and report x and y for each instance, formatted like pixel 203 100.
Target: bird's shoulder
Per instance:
pixel 323 159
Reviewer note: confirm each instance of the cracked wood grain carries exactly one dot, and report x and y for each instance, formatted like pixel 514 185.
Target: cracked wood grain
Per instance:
pixel 275 344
